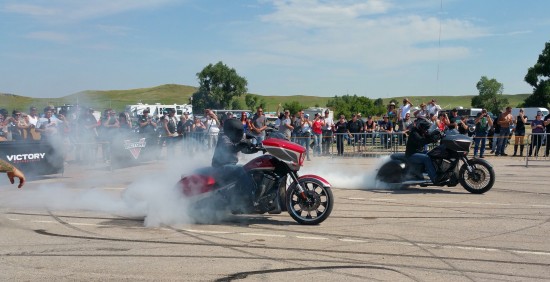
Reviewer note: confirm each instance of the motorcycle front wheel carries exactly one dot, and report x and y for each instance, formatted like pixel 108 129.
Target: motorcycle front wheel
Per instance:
pixel 480 180
pixel 315 207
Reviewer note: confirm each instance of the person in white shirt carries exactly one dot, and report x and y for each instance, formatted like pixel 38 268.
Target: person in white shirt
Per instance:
pixel 32 117
pixel 403 111
pixel 328 130
pixel 49 125
pixel 212 128
pixel 433 108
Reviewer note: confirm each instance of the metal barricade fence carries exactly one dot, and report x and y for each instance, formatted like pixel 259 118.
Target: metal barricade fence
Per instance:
pixel 368 144
pixel 536 142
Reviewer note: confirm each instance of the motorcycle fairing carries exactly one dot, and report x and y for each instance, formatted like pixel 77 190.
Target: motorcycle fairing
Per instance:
pixel 261 162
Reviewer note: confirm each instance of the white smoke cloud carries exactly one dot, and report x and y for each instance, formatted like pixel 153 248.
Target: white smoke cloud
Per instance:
pixel 154 196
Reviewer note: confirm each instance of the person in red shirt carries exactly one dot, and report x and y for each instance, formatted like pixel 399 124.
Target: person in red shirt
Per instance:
pixel 317 129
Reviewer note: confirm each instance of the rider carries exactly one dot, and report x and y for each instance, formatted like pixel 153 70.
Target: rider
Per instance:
pixel 418 138
pixel 225 158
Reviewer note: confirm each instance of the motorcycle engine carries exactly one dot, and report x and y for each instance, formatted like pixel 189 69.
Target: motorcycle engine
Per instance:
pixel 265 196
pixel 442 165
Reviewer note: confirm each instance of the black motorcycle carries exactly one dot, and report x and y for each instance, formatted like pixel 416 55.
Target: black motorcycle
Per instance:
pixel 450 159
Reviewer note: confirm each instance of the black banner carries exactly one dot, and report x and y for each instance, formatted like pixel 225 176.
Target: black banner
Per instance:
pixel 32 157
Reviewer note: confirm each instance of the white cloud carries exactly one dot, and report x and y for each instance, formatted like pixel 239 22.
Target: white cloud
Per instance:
pixel 367 33
pixel 59 11
pixel 315 13
pixel 48 36
pixel 31 10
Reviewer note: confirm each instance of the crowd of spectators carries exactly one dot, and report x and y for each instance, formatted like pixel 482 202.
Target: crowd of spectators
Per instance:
pixel 83 131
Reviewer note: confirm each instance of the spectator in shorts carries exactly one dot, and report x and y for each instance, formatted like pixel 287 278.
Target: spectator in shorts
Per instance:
pixel 519 133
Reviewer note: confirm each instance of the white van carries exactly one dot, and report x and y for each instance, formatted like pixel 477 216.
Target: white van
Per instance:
pixel 530 113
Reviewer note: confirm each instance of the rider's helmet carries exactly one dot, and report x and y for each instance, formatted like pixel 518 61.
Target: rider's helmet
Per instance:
pixel 423 126
pixel 233 128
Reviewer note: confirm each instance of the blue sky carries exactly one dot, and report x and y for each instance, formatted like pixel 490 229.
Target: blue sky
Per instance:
pixel 373 48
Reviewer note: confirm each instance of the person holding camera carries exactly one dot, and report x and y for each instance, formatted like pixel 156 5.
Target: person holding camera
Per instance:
pixel 146 123
pixel 305 139
pixel 505 120
pixel 212 128
pixel 483 122
pixel 519 133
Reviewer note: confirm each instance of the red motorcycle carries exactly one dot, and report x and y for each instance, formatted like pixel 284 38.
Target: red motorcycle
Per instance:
pixel 307 198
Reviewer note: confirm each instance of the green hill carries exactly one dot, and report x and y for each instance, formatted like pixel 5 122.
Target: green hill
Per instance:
pixel 180 94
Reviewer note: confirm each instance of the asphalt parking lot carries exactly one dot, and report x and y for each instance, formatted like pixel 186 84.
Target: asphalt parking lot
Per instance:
pixel 82 226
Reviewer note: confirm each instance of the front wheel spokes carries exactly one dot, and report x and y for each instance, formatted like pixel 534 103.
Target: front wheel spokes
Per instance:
pixel 315 203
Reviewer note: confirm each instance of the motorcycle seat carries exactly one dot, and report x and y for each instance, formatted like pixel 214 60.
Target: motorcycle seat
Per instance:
pixel 399 157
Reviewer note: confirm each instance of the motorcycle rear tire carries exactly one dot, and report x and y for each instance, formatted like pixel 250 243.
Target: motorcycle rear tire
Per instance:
pixel 312 212
pixel 481 169
pixel 391 175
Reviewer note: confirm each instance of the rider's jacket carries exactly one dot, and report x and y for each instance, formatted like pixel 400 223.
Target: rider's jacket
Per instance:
pixel 226 152
pixel 416 141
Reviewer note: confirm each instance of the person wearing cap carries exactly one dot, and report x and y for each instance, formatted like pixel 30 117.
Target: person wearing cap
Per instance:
pixel 537 131
pixel 328 130
pixel 385 127
pixel 16 125
pixel 422 112
pixel 146 124
pixel 392 113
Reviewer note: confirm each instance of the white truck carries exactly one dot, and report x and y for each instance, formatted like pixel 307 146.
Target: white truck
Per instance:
pixel 157 109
